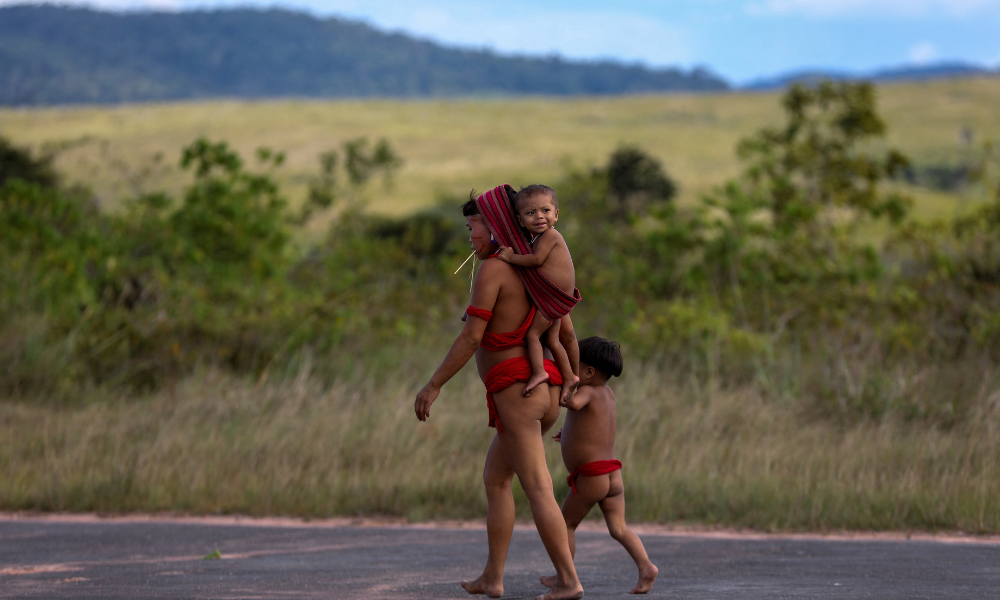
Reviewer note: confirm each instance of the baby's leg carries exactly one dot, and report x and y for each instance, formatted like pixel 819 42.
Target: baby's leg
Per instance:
pixel 567 337
pixel 536 356
pixel 575 508
pixel 561 357
pixel 613 507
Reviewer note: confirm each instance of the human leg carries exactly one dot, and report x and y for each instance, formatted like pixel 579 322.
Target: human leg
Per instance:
pixel 576 506
pixel 552 415
pixel 561 358
pixel 497 477
pixel 613 507
pixel 567 337
pixel 522 446
pixel 536 356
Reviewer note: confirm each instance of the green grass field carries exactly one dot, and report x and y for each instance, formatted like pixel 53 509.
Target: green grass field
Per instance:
pixel 451 146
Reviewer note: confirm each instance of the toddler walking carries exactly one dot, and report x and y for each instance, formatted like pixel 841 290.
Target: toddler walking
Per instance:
pixel 588 450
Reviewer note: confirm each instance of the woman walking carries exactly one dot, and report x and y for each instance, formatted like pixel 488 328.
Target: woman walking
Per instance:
pixel 494 330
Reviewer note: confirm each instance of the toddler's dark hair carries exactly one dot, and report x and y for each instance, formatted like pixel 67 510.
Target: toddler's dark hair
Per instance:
pixel 533 190
pixel 603 355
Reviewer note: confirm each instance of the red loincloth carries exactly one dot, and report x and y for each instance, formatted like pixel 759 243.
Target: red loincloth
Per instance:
pixel 494 206
pixel 593 469
pixel 509 372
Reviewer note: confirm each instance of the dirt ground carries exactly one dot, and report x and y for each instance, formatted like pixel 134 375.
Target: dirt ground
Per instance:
pixel 86 556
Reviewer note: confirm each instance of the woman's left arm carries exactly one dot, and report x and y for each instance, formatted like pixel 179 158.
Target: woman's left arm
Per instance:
pixel 484 295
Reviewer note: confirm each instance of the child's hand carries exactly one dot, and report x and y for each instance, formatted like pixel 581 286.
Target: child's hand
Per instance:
pixel 505 253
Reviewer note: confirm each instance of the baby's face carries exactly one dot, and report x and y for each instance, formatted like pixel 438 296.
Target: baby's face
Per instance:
pixel 537 213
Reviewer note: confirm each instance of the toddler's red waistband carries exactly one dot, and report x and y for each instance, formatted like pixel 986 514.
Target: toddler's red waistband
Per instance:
pixel 593 469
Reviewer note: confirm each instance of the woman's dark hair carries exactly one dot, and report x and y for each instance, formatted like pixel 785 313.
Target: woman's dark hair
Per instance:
pixel 470 208
pixel 603 355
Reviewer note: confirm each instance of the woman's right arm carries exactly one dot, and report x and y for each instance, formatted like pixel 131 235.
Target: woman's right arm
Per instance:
pixel 484 295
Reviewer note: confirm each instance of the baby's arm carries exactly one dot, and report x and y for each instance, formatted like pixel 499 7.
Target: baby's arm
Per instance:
pixel 536 258
pixel 580 399
pixel 522 260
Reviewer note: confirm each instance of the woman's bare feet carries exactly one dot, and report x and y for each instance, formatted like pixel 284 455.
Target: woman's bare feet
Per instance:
pixel 479 586
pixel 647 576
pixel 534 382
pixel 549 580
pixel 562 593
pixel 569 387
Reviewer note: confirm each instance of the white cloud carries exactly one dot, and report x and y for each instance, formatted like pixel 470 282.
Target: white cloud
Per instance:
pixel 856 8
pixel 923 53
pixel 593 35
pixel 579 34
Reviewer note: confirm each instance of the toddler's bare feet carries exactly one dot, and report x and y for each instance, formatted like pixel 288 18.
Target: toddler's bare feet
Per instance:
pixel 647 575
pixel 549 580
pixel 479 586
pixel 569 387
pixel 562 593
pixel 534 382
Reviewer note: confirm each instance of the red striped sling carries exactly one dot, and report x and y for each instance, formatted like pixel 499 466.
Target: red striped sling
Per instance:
pixel 498 214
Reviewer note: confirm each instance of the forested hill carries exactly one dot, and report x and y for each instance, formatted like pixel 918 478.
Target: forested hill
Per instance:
pixel 52 54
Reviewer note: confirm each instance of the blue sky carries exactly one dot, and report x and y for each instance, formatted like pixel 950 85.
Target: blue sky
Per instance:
pixel 738 39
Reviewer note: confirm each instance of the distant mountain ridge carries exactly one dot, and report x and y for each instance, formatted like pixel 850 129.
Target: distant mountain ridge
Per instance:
pixel 56 54
pixel 940 70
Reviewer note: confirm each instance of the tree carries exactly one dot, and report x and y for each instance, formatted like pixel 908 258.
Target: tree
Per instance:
pixel 637 182
pixel 360 165
pixel 18 163
pixel 808 185
pixel 231 219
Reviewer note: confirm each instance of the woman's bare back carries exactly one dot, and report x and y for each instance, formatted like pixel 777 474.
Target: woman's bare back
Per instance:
pixel 509 313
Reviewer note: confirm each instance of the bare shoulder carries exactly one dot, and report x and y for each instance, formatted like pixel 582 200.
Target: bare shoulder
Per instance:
pixel 552 241
pixel 585 393
pixel 495 268
pixel 553 237
pixel 602 395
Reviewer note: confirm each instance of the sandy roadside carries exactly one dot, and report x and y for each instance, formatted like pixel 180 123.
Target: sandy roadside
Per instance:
pixel 664 529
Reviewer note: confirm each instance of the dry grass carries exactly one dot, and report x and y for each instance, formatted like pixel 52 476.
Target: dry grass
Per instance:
pixel 453 145
pixel 740 456
pixel 218 445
